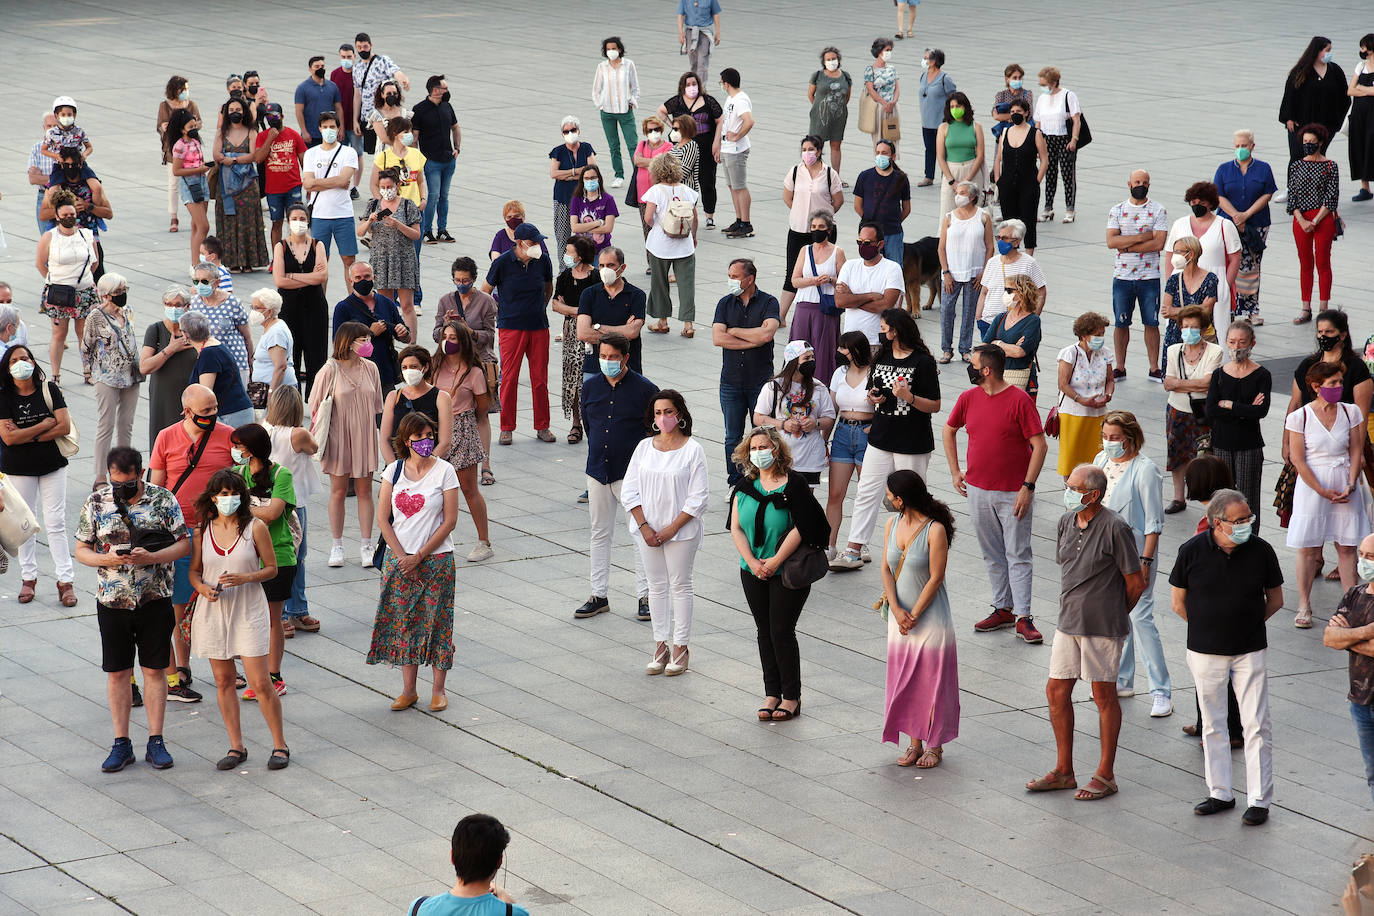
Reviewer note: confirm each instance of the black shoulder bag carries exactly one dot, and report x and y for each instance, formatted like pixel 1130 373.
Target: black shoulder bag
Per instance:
pixel 379 554
pixel 63 295
pixel 1085 135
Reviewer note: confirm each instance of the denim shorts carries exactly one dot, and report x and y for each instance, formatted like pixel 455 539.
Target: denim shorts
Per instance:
pixel 340 230
pixel 848 443
pixel 181 579
pixel 277 203
pixel 1125 295
pixel 186 184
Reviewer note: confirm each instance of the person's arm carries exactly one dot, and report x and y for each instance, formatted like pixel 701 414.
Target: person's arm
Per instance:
pixel 1037 461
pixel 302 442
pixel 1339 634
pixel 1178 598
pixel 410 231
pixel 981 152
pixel 259 153
pixel 267 557
pixel 100 204
pixel 278 356
pixel 385 432
pixel 300 119
pixel 941 162
pixel 951 440
pixel 721 337
pixel 1273 600
pixel 754 337
pixel 11 434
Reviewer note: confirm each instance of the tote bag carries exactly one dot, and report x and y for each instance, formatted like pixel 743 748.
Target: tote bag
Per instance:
pixel 17 522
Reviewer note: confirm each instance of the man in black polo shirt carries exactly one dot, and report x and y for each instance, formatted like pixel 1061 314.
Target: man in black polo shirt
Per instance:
pixel 1226 584
pixel 745 322
pixel 615 407
pixel 524 277
pixel 613 307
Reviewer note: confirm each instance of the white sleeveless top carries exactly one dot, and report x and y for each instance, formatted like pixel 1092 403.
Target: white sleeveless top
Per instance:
pixel 813 293
pixel 67 258
pixel 302 467
pixel 965 247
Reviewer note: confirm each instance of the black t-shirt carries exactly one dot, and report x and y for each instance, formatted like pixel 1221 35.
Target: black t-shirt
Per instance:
pixel 434 127
pixel 897 425
pixel 1225 593
pixel 1355 373
pixel 602 309
pixel 704 117
pixel 31 459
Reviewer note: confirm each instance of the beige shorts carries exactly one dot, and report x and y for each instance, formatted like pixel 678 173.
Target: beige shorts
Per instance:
pixel 1087 658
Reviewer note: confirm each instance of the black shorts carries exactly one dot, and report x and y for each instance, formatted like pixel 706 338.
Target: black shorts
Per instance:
pixel 278 588
pixel 812 477
pixel 147 628
pixel 369 139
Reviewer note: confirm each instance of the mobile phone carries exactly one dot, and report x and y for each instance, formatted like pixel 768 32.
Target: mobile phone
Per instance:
pixel 124 551
pixel 1362 872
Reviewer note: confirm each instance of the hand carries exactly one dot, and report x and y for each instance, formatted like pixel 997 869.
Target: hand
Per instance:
pixel 729 135
pixel 957 478
pixel 1259 400
pixel 228 580
pixel 681 38
pixel 949 283
pixel 1338 620
pixel 888 106
pixel 378 327
pixel 178 343
pixel 357 127
pixel 1022 504
pixel 900 389
pixel 1227 405
pixel 401 332
pixel 758 569
pixel 206 592
pixel 1291 125
pixel 1101 400
pixel 1073 145
pixel 768 567
pixel 791 426
pixel 824 279
pixel 112 558
pixel 841 288
pixel 1240 223
pixel 715 153
pixel 409 564
pixel 876 399
pixel 1333 495
pixel 138 557
pixel 807 424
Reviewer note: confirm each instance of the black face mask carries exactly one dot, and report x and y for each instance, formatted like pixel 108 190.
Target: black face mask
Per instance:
pixel 251 89
pixel 975 376
pixel 71 171
pixel 1200 210
pixel 447 96
pixel 203 423
pixel 1327 344
pixel 124 490
pixel 820 235
pixel 1310 148
pixel 235 117
pixel 364 55
pixel 392 99
pixel 120 299
pixel 807 370
pixel 235 93
pixel 319 73
pixel 67 222
pixel 1140 191
pixel 193 134
pixel 1018 118
pixel 274 121
pixel 363 288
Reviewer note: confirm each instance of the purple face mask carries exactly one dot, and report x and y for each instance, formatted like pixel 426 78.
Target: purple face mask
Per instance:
pixel 451 347
pixel 423 447
pixel 1331 394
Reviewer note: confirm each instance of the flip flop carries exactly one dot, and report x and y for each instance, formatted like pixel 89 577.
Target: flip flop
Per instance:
pixel 911 755
pixel 1088 793
pixel 1052 781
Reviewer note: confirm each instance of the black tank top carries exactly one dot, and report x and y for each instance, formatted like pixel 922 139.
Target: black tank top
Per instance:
pixel 1018 162
pixel 427 404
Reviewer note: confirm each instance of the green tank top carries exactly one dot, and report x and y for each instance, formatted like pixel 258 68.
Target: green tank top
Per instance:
pixel 961 144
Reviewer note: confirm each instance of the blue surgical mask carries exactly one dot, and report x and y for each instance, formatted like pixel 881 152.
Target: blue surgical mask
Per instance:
pixel 1096 343
pixel 463 288
pixel 205 289
pixel 346 64
pixel 592 184
pixel 734 286
pixel 408 138
pixel 761 458
pixel 1015 84
pixel 1241 533
pixel 1326 58
pixel 610 367
pixel 227 505
pixel 882 161
pixel 1045 90
pixel 1073 501
pixel 1113 449
pixel 569 260
pixel 1192 335
pixel 173 314
pixel 1366 569
pixel 329 135
pixel 183 96
pixel 1005 247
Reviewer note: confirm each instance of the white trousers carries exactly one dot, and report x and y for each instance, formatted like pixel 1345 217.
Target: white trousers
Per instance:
pixel 53 511
pixel 873 487
pixel 114 422
pixel 603 505
pixel 1247 674
pixel 668 570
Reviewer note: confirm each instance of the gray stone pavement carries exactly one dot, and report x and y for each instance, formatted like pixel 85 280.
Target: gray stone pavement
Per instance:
pixel 634 795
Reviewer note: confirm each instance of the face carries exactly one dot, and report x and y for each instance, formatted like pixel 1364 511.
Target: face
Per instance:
pixel 737 272
pixel 591 175
pixel 462 277
pixel 651 125
pixel 439 91
pixel 1199 202
pixel 206 406
pixel 450 335
pixel 1238 340
pixel 894 500
pixel 346 54
pixel 6 295
pixel 570 251
pixel 66 212
pixel 887 332
pixel 819 225
pixel 118 476
pixel 1181 250
pixel 508 215
pixel 808 146
pixel 760 444
pixel 607 259
pixel 16 354
pixel 1367 547
pixel 1245 142
pixel 664 408
pixel 611 354
pixel 1006 235
pixel 1192 323
pixel 414 437
pixel 204 276
pixel 412 363
pixel 868 234
pixel 387 184
pixel 1138 180
pixel 236 86
pixel 831 61
pixel 1235 514
pixel 233 107
pixel 1335 381
pixel 1015 75
pixel 692 83
pixel 1043 81
pixel 360 272
pixel 567 128
pixel 1114 434
pixel 317 62
pixel 1075 482
pixel 1019 108
pixel 1327 329
pixel 1310 138
pixel 364 47
pixel 329 125
pixel 252 85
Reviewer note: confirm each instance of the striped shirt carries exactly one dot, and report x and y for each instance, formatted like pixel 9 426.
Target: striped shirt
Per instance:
pixel 226 279
pixel 615 89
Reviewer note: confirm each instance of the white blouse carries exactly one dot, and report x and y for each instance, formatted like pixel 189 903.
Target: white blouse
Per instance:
pixel 1088 380
pixel 1212 358
pixel 666 484
pixel 847 397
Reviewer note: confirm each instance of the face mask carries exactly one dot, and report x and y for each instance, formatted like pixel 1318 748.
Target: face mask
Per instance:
pixel 975 375
pixel 608 276
pixel 1113 449
pixel 364 55
pixel 1240 355
pixel 319 73
pixel 962 200
pixel 388 193
pixel 1005 247
pixel 346 63
pixel 734 286
pixel 675 135
pixel 205 289
pixel 1309 148
pixel 1366 569
pixel 235 93
pixel 329 135
pixel 869 250
pixel 610 367
pixel 1179 261
pixel 423 447
pixel 832 65
pixel 235 117
pixel 408 138
pixel 1192 336
pixel 1242 153
pixel 1327 344
pixel 363 288
pixel 592 184
pixel 66 120
pixel 413 377
pixel 124 490
pixel 513 222
pixel 463 288
pixel 1015 84
pixel 882 162
pixel 252 89
pixel 1018 118
pixel 570 136
pixel 1200 210
pixel 391 100
pixel 237 456
pixel 1074 502
pixel 761 458
pixel 666 423
pixel 256 318
pixel 807 370
pixel 655 136
pixel 887 56
pixel 67 222
pixel 21 370
pixel 1044 90
pixel 364 349
pixel 1330 394
pixel 956 112
pixel 692 92
pixel 183 95
pixel 204 423
pixel 530 251
pixel 889 505
pixel 72 170
pixel 1096 343
pixel 809 156
pixel 299 227
pixel 1241 533
pixel 612 54
pixel 820 235
pixel 569 260
pixel 1326 58
pixel 451 347
pixel 173 314
pixel 1140 191
pixel 227 505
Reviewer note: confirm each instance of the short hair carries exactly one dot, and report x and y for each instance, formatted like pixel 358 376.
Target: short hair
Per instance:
pixel 285 407
pixel 831 49
pixel 585 248
pixel 730 77
pixel 749 268
pixel 328 117
pixel 1204 191
pixel 1017 228
pixel 315 57
pixel 348 332
pixel 125 460
pixel 175 291
pixel 782 454
pixel 434 82
pixel 686 126
pixel 268 298
pixel 213 245
pixel 879 45
pixel 420 354
pixel 992 358
pixel 665 168
pixel 397 125
pixel 1020 102
pixel 174 86
pixel 1129 426
pixel 1089 323
pixel 1246 134
pixel 9 315
pixel 1050 75
pixel 513 207
pixel 464 263
pixel 618 252
pixel 347 47
pixel 1191 245
pixel 1193 312
pixel 869 224
pixel 110 282
pixel 679 404
pixel 936 55
pixel 1204 476
pixel 1321 370
pixel 478 843
pixel 825 216
pixel 195 326
pixel 966 183
pixel 571 119
pixel 1222 500
pixel 1320 131
pixel 616 341
pixel 1009 69
pixel 208 268
pixel 361 37
pixel 644 125
pixel 1094 478
pixel 416 421
pixel 613 40
pixel 1240 324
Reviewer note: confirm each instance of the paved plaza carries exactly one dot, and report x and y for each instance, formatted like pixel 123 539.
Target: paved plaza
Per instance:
pixel 633 795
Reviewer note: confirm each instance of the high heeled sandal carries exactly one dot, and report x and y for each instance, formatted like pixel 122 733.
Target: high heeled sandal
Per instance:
pixel 659 662
pixel 679 663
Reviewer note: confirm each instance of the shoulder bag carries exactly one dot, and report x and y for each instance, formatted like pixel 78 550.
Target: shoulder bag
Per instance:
pixel 319 426
pixel 677 219
pixel 17 521
pixel 1286 484
pixel 150 539
pixel 293 522
pixel 379 554
pixel 1199 405
pixel 827 300
pixel 63 295
pixel 807 564
pixel 69 443
pixel 1085 134
pixel 1052 418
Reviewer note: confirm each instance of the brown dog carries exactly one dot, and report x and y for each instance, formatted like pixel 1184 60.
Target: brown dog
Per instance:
pixel 921 267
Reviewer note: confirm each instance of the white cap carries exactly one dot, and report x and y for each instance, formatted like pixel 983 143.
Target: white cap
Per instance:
pixel 63 100
pixel 795 349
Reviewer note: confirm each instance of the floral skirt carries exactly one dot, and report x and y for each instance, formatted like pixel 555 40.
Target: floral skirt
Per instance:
pixel 1182 431
pixel 574 351
pixel 86 299
pixel 414 624
pixel 466 449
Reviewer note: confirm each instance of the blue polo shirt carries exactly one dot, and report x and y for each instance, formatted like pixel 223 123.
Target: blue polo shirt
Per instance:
pixel 752 367
pixel 316 99
pixel 615 418
pixel 1242 190
pixel 383 344
pixel 603 309
pixel 698 13
pixel 519 287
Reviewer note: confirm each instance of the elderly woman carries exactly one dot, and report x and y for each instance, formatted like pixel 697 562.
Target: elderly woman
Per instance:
pixel 1017 332
pixel 1314 188
pixel 66 259
pixel 1018 168
pixel 1245 186
pixel 566 162
pixel 995 294
pixel 1237 400
pixel 1326 440
pixel 1219 239
pixel 272 359
pixel 512 214
pixel 300 269
pixel 238 207
pixel 214 368
pixel 696 103
pixel 166 360
pixel 814 271
pixel 1188 368
pixel 810 187
pixel 107 346
pixel 228 318
pixel 935 87
pixel 1014 78
pixel 958 150
pixel 1059 117
pixel 829 94
pixel 670 252
pixel 654 143
pixel 882 90
pixel 1189 285
pixel 965 247
pixel 13 331
pixel 1086 385
pixel 1135 491
pixel 579 276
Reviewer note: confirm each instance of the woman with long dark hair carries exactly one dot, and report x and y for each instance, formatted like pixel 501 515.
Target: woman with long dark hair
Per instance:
pixel 693 100
pixel 178 99
pixel 799 407
pixel 922 665
pixel 1315 91
pixel 457 372
pixel 854 416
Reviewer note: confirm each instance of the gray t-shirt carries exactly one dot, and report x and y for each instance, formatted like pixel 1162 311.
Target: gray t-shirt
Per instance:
pixel 1093 562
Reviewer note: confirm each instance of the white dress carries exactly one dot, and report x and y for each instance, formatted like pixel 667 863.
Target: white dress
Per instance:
pixel 1315 520
pixel 238 623
pixel 1220 239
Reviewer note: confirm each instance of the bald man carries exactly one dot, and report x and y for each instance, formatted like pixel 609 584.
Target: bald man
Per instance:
pixel 1136 230
pixel 185 455
pixel 1352 630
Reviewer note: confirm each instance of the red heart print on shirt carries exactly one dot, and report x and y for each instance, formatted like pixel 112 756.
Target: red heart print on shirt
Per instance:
pixel 409 503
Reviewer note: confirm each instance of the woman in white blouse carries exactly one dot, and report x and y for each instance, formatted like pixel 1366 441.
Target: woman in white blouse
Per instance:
pixel 1188 368
pixel 272 358
pixel 615 91
pixel 665 492
pixel 1059 118
pixel 854 415
pixel 1086 385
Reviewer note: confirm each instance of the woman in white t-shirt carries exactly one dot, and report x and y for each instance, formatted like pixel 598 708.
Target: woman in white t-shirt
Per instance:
pixel 1188 368
pixel 414 623
pixel 1219 237
pixel 814 271
pixel 854 415
pixel 1059 118
pixel 272 356
pixel 996 296
pixel 800 408
pixel 1086 386
pixel 666 252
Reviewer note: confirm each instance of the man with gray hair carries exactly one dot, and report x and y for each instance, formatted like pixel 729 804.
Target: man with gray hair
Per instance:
pixel 13 331
pixel 1226 584
pixel 1100 581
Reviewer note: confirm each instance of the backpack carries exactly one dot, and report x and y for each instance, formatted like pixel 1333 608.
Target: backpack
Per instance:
pixel 677 219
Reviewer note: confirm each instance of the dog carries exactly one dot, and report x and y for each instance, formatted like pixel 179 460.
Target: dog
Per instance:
pixel 921 267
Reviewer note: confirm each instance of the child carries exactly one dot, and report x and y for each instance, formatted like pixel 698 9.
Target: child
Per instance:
pixel 211 250
pixel 190 167
pixel 478 847
pixel 66 133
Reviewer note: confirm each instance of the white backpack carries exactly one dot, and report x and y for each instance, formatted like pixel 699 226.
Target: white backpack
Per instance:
pixel 677 219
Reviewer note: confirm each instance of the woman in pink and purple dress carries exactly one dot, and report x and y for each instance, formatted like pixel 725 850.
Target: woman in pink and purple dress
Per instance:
pixel 922 667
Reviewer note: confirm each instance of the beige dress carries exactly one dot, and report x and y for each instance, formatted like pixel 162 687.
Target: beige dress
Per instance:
pixel 238 623
pixel 357 388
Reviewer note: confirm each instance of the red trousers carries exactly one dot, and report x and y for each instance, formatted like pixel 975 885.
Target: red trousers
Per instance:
pixel 1314 249
pixel 515 347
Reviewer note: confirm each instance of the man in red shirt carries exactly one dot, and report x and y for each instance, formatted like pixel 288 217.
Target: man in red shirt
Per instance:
pixel 1006 449
pixel 343 78
pixel 283 168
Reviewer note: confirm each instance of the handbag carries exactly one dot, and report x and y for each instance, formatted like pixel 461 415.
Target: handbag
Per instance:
pixel 827 300
pixel 1085 134
pixel 632 194
pixel 1052 418
pixel 881 605
pixel 63 295
pixel 257 394
pixel 150 539
pixel 70 442
pixel 17 522
pixel 1199 406
pixel 1283 492
pixel 804 566
pixel 379 554
pixel 319 426
pixel 890 126
pixel 868 113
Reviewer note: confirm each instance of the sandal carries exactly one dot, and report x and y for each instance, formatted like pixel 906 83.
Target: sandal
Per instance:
pixel 66 594
pixel 240 681
pixel 1052 781
pixel 507 437
pixel 766 713
pixel 1303 317
pixel 488 478
pixel 307 623
pixel 911 754
pixel 1047 216
pixel 1088 793
pixel 575 435
pixel 231 759
pixel 280 759
pixel 1334 575
pixel 1068 218
pixel 1303 620
pixel 288 629
pixel 689 332
pixel 786 715
pixel 925 182
pixel 931 758
pixel 658 329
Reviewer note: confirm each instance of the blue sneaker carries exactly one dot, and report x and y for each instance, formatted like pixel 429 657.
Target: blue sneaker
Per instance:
pixel 121 755
pixel 157 753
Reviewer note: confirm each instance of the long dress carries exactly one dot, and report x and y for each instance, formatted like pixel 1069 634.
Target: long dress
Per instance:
pixel 241 234
pixel 1362 129
pixel 922 666
pixel 351 450
pixel 1315 520
pixel 238 623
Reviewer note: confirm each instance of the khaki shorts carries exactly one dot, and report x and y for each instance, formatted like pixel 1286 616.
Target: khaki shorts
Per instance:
pixel 736 170
pixel 1087 658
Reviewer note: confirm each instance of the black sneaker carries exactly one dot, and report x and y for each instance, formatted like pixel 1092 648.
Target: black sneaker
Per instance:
pixel 443 236
pixel 182 694
pixel 430 239
pixel 138 696
pixel 746 230
pixel 733 227
pixel 644 608
pixel 353 193
pixel 593 607
pixel 156 754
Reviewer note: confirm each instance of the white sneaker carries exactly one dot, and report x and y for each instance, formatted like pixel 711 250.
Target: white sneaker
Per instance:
pixel 365 554
pixel 336 556
pixel 829 554
pixel 481 552
pixel 864 554
pixel 847 560
pixel 618 183
pixel 1162 706
pixel 1125 691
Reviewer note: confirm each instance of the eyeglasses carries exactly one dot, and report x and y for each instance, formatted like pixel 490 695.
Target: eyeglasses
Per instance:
pixel 1006 238
pixel 1243 520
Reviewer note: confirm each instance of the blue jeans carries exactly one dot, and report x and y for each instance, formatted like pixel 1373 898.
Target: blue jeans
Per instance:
pixel 949 304
pixel 438 176
pixel 238 418
pixel 1364 729
pixel 1125 295
pixel 892 247
pixel 341 230
pixel 848 444
pixel 1145 634
pixel 296 605
pixel 736 404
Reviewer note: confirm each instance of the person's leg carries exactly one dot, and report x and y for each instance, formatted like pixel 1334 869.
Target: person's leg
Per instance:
pixel 838 487
pixel 1147 294
pixel 1211 673
pixel 836 152
pixel 601 513
pixel 1109 725
pixel 1251 681
pixel 106 399
pixel 1069 165
pixel 255 671
pixel 228 699
pixel 756 595
pixel 432 170
pixel 1016 533
pixel 1361 715
pixel 1345 562
pixel 987 523
pixel 446 171
pixel 653 560
pixel 1306 569
pixel 949 300
pixel 706 176
pixel 53 487
pixel 121 697
pixel 56 345
pixel 276 636
pixel 1123 307
pixel 970 292
pixel 680 559
pixel 173 195
pixel 362 486
pixel 27 488
pixel 877 465
pixel 297 605
pixel 562 225
pixel 512 344
pixel 338 493
pixel 1322 240
pixel 929 135
pixel 784 610
pixel 894 250
pixel 1146 634
pixel 126 407
pixel 1306 263
pixel 1054 147
pixel 660 303
pixel 539 376
pixel 610 125
pixel 1059 695
pixel 1247 282
pixel 477 503
pixel 734 407
pixel 685 269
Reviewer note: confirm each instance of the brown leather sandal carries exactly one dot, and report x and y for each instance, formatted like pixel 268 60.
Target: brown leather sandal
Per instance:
pixel 66 594
pixel 26 590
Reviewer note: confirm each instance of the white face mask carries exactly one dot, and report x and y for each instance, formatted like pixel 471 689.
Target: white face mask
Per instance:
pixel 413 377
pixel 256 318
pixel 23 369
pixel 832 65
pixel 655 136
pixel 608 275
pixel 961 200
pixel 388 193
pixel 887 56
pixel 237 456
pixel 1179 261
pixel 612 54
pixel 570 136
pixel 299 227
pixel 66 120
pixel 675 135
pixel 1008 300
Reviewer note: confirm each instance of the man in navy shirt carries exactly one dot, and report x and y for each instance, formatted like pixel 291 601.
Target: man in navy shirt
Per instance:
pixel 314 97
pixel 523 278
pixel 381 314
pixel 615 405
pixel 613 307
pixel 746 320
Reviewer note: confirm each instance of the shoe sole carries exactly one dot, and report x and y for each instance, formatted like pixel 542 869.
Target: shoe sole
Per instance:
pixel 338 565
pixel 1161 715
pixel 583 615
pixel 643 617
pixel 158 766
pixel 480 558
pixel 172 698
pixel 105 769
pixel 977 628
pixel 1029 640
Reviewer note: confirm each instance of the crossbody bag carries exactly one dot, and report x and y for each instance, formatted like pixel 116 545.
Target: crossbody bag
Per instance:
pixel 63 295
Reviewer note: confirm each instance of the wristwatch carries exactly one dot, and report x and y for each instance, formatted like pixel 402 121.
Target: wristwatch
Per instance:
pixel 596 327
pixel 1029 485
pixel 1148 561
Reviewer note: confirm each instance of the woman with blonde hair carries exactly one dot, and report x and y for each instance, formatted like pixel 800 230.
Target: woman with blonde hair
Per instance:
pixel 293 447
pixel 674 252
pixel 107 346
pixel 513 214
pixel 1017 332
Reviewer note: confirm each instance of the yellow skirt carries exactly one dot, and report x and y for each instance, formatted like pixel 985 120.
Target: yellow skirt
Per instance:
pixel 1080 439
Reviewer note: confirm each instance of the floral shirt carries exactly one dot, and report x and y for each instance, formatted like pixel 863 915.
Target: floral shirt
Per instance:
pixel 110 350
pixel 59 138
pixel 225 320
pixel 1358 608
pixel 101 525
pixel 884 80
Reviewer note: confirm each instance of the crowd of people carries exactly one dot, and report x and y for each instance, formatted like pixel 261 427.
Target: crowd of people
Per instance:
pixel 255 399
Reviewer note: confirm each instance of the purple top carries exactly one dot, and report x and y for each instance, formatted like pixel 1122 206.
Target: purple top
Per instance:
pixel 501 243
pixel 583 209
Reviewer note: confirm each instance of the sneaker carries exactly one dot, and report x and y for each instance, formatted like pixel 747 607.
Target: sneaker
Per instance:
pixel 829 554
pixel 353 193
pixel 619 182
pixel 121 755
pixel 250 695
pixel 644 608
pixel 157 754
pixel 730 229
pixel 1363 195
pixel 1025 630
pixel 279 685
pixel 481 552
pixel 429 239
pixel 999 618
pixel 1161 707
pixel 443 236
pixel 365 554
pixel 1157 375
pixel 1118 374
pixel 865 555
pixel 847 560
pixel 593 607
pixel 710 222
pixel 584 498
pixel 336 556
pixel 741 231
pixel 1124 692
pixel 183 694
pixel 138 696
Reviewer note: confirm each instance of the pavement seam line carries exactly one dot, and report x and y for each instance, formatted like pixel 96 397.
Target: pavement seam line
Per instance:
pixel 48 863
